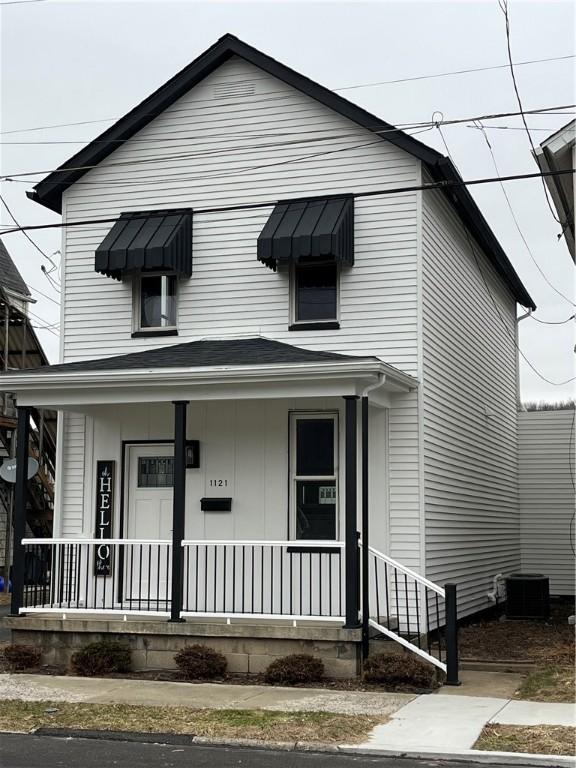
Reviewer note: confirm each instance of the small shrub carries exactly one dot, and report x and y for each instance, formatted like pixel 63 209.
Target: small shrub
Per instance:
pixel 101 658
pixel 295 669
pixel 400 670
pixel 199 662
pixel 19 657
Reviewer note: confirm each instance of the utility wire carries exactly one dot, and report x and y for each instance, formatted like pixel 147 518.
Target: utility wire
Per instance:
pixel 512 336
pixel 445 184
pixel 21 2
pixel 26 235
pixel 517 223
pixel 227 137
pixel 504 8
pixel 553 322
pixel 343 88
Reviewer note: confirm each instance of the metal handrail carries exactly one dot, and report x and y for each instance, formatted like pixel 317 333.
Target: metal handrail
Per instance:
pixel 416 576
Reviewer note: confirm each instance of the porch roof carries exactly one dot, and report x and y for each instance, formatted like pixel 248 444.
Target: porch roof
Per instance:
pixel 205 369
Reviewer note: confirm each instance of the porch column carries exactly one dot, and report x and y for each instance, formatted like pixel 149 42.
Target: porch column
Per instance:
pixel 365 532
pixel 21 494
pixel 178 507
pixel 351 523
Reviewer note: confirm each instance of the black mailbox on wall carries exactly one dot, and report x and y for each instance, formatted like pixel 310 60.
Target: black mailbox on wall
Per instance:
pixel 216 504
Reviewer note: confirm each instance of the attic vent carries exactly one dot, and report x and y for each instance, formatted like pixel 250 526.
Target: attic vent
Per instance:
pixel 233 90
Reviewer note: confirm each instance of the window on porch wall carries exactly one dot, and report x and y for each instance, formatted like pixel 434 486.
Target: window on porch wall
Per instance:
pixel 315 476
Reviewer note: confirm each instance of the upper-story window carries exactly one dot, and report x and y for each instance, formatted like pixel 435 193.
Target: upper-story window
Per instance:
pixel 314 238
pixel 315 292
pixel 155 302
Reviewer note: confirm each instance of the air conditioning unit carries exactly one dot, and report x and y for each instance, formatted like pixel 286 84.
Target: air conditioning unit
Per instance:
pixel 527 596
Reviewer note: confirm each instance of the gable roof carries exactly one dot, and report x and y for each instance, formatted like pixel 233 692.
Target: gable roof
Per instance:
pixel 49 191
pixel 10 278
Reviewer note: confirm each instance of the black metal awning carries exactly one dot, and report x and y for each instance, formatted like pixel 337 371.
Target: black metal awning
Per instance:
pixel 309 230
pixel 147 241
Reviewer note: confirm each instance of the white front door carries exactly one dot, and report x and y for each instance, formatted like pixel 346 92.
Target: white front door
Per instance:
pixel 150 474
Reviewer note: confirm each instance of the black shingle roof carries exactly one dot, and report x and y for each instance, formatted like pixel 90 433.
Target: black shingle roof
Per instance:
pixel 10 278
pixel 199 354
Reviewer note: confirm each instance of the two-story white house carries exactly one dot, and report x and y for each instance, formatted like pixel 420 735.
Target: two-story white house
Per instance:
pixel 288 380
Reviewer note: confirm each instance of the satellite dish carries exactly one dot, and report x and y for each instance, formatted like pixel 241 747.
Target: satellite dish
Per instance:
pixel 8 469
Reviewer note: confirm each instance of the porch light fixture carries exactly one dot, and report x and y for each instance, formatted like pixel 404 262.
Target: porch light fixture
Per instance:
pixel 192 454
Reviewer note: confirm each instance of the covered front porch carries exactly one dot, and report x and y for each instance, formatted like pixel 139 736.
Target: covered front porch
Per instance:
pixel 232 482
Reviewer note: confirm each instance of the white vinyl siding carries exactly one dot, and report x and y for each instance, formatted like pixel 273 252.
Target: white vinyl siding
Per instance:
pixel 469 411
pixel 71 433
pixel 230 292
pixel 547 498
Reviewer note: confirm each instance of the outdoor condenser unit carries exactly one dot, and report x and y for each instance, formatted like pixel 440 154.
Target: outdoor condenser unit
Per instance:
pixel 527 596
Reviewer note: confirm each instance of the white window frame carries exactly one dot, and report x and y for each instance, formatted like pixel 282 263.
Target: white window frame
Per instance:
pixel 293 298
pixel 295 417
pixel 137 303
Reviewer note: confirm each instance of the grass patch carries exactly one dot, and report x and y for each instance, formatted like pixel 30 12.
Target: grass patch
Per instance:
pixel 26 716
pixel 535 739
pixel 548 684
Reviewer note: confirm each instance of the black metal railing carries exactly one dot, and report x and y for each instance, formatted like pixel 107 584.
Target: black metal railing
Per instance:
pixel 277 578
pixel 220 578
pixel 415 612
pixel 92 575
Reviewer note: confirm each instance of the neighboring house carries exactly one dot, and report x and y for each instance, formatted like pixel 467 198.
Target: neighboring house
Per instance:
pixel 20 349
pixel 262 250
pixel 558 153
pixel 547 452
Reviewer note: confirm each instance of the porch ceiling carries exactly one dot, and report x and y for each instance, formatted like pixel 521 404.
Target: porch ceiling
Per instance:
pixel 255 368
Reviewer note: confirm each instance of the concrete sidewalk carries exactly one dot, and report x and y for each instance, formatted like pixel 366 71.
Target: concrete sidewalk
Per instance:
pixel 447 723
pixel 452 724
pixel 198 695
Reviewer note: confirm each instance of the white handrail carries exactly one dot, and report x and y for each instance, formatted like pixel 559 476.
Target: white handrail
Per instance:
pixel 307 544
pixel 416 576
pixel 263 543
pixel 167 542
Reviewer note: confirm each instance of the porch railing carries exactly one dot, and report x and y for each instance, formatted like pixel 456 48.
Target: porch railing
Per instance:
pixel 266 579
pixel 410 610
pixel 270 579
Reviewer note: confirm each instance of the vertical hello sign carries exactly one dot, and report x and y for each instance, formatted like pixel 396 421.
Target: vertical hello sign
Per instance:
pixel 104 507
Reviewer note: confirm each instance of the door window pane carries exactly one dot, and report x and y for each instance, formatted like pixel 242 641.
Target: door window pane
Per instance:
pixel 158 301
pixel 316 296
pixel 316 509
pixel 314 447
pixel 155 471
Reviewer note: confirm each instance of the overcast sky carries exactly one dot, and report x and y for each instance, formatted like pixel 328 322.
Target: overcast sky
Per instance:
pixel 79 61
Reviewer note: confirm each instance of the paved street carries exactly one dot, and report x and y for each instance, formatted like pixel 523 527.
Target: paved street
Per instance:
pixel 27 751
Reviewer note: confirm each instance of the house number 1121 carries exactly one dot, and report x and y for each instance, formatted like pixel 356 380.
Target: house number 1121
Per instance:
pixel 218 483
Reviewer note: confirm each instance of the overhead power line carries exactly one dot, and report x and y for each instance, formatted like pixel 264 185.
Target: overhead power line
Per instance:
pixel 342 88
pixel 323 136
pixel 445 184
pixel 511 335
pixel 504 8
pixel 26 235
pixel 21 2
pixel 553 322
pixel 517 223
